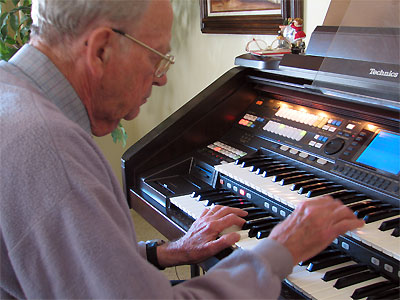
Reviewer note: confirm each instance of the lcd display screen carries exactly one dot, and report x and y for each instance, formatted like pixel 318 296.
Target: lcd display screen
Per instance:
pixel 383 153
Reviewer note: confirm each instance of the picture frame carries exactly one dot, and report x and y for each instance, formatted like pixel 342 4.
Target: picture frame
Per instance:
pixel 253 21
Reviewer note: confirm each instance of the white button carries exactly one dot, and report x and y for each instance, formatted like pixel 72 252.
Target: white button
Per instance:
pixel 350 126
pixel 332 129
pixel 312 143
pixel 345 246
pixel 375 261
pixel 316 136
pixel 303 154
pixel 318 145
pixel 325 127
pixel 388 268
pixel 294 151
pixel 321 161
pixel 284 148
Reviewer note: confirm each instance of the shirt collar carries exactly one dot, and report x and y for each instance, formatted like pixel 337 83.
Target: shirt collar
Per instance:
pixel 45 75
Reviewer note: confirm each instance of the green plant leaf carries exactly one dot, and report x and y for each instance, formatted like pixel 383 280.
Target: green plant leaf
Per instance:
pixel 10 41
pixel 6 52
pixel 3 19
pixel 119 135
pixel 4 32
pixel 15 2
pixel 14 22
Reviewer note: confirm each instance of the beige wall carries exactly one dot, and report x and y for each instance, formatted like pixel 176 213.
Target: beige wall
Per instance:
pixel 200 59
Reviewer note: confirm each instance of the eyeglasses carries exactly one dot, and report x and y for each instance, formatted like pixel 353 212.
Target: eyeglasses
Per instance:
pixel 163 65
pixel 278 47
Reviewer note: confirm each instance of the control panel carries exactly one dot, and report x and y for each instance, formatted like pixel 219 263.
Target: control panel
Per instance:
pixel 352 148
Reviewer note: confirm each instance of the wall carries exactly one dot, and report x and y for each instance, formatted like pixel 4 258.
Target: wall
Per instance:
pixel 200 59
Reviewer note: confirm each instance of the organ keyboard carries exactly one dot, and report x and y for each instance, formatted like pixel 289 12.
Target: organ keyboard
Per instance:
pixel 266 141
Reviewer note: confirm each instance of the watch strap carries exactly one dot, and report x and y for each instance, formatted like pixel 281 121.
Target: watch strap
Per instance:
pixel 151 252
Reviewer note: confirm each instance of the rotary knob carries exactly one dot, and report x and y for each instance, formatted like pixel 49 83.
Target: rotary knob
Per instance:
pixel 334 146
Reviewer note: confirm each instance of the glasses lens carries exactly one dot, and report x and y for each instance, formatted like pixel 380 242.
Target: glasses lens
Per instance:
pixel 163 65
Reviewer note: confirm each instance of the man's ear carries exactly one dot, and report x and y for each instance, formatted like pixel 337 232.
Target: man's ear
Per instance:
pixel 99 49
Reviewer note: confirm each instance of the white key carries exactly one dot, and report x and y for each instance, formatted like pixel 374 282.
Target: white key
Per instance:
pixel 380 240
pixel 346 292
pixel 369 234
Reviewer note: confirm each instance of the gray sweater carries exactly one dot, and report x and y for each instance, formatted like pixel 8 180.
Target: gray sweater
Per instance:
pixel 66 230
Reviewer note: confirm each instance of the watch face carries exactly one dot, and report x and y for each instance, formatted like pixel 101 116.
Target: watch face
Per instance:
pixel 158 242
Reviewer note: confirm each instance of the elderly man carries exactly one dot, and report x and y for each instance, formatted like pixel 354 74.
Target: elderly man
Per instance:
pixel 66 231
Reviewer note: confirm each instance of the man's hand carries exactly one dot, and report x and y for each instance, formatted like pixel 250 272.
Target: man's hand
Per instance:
pixel 201 241
pixel 313 226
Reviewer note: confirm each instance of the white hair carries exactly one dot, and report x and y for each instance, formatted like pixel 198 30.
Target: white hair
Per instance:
pixel 57 20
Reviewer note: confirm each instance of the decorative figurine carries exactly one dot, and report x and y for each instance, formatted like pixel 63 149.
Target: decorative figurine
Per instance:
pixel 294 34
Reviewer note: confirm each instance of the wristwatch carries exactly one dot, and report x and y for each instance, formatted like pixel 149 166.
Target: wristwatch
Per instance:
pixel 151 252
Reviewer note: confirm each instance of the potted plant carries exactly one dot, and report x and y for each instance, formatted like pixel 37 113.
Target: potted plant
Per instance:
pixel 15 22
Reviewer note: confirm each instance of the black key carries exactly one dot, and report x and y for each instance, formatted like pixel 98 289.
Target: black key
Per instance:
pixel 362 212
pixel 242 205
pixel 355 278
pixel 362 204
pixel 270 166
pixel 255 229
pixel 372 217
pixel 257 215
pixel 343 194
pixel 323 190
pixel 344 271
pixel 300 184
pixel 306 188
pixel 211 196
pixel 396 232
pixel 263 234
pixel 252 210
pixel 353 199
pixel 235 203
pixel 265 220
pixel 276 171
pixel 373 289
pixel 279 177
pixel 387 295
pixel 255 165
pixel 218 198
pixel 207 192
pixel 296 178
pixel 254 162
pixel 248 158
pixel 328 262
pixel 324 254
pixel 390 224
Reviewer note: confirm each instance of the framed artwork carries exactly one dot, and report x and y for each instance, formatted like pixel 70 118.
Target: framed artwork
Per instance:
pixel 247 16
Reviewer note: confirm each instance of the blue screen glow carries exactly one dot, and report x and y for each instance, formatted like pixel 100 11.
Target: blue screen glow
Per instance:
pixel 383 153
